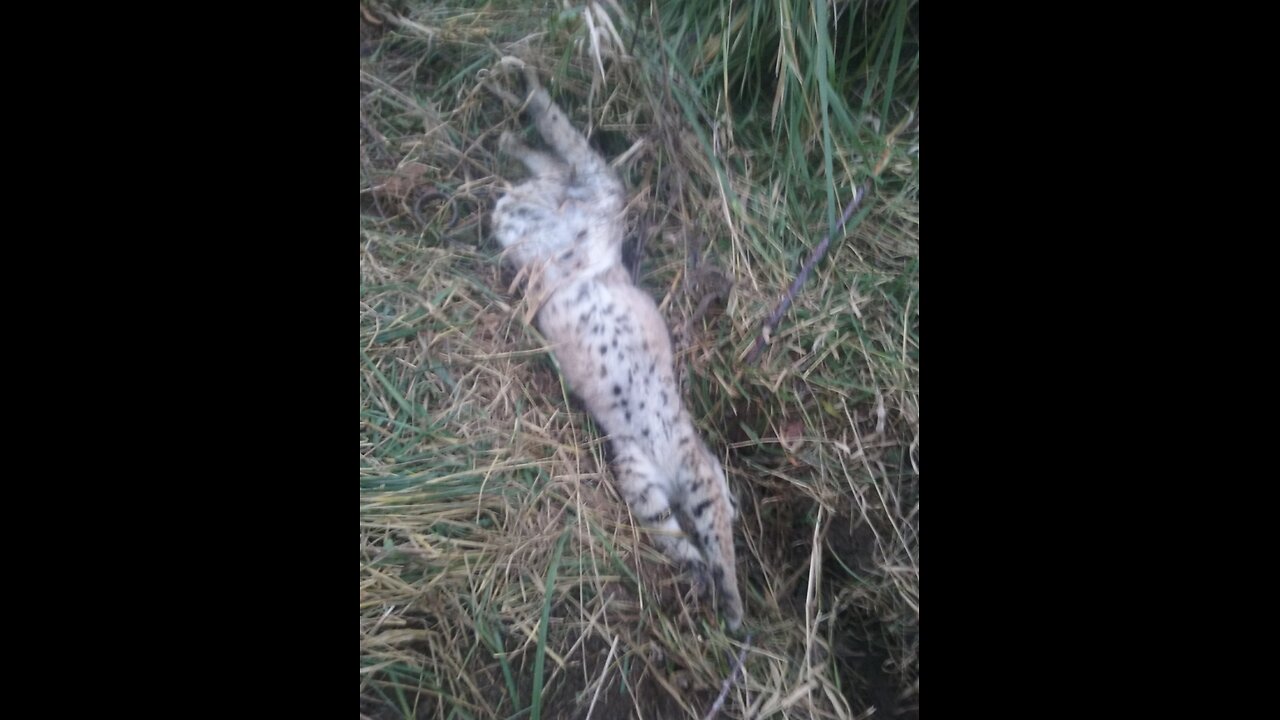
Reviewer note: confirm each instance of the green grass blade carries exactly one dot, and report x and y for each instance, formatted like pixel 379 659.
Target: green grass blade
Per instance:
pixel 899 25
pixel 390 387
pixel 540 658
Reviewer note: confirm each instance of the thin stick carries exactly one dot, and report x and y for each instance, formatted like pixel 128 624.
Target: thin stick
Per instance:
pixel 728 682
pixel 604 671
pixel 814 257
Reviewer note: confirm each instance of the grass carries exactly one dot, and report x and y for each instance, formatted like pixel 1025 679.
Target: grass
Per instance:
pixel 501 575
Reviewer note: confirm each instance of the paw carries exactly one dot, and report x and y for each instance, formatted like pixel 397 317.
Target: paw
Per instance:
pixel 532 84
pixel 699 577
pixel 511 61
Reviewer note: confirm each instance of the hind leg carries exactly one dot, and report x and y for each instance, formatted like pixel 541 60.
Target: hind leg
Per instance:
pixel 645 491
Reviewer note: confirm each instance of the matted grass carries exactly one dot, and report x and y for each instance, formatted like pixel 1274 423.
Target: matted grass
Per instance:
pixel 501 575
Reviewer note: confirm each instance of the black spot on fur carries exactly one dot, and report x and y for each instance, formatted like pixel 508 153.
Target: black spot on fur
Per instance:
pixel 604 349
pixel 567 254
pixel 582 291
pixel 628 416
pixel 641 404
pixel 701 508
pixel 617 390
pixel 645 432
pixel 604 371
pixel 644 493
pixel 582 234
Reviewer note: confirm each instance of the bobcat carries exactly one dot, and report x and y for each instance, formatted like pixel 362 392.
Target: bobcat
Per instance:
pixel 563 227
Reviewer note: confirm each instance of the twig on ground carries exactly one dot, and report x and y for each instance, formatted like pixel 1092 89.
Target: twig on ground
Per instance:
pixel 783 305
pixel 728 682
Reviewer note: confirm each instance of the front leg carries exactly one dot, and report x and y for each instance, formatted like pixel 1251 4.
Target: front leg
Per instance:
pixel 539 163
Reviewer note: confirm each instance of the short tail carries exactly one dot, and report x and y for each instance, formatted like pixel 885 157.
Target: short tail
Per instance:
pixel 727 600
pixel 723 570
